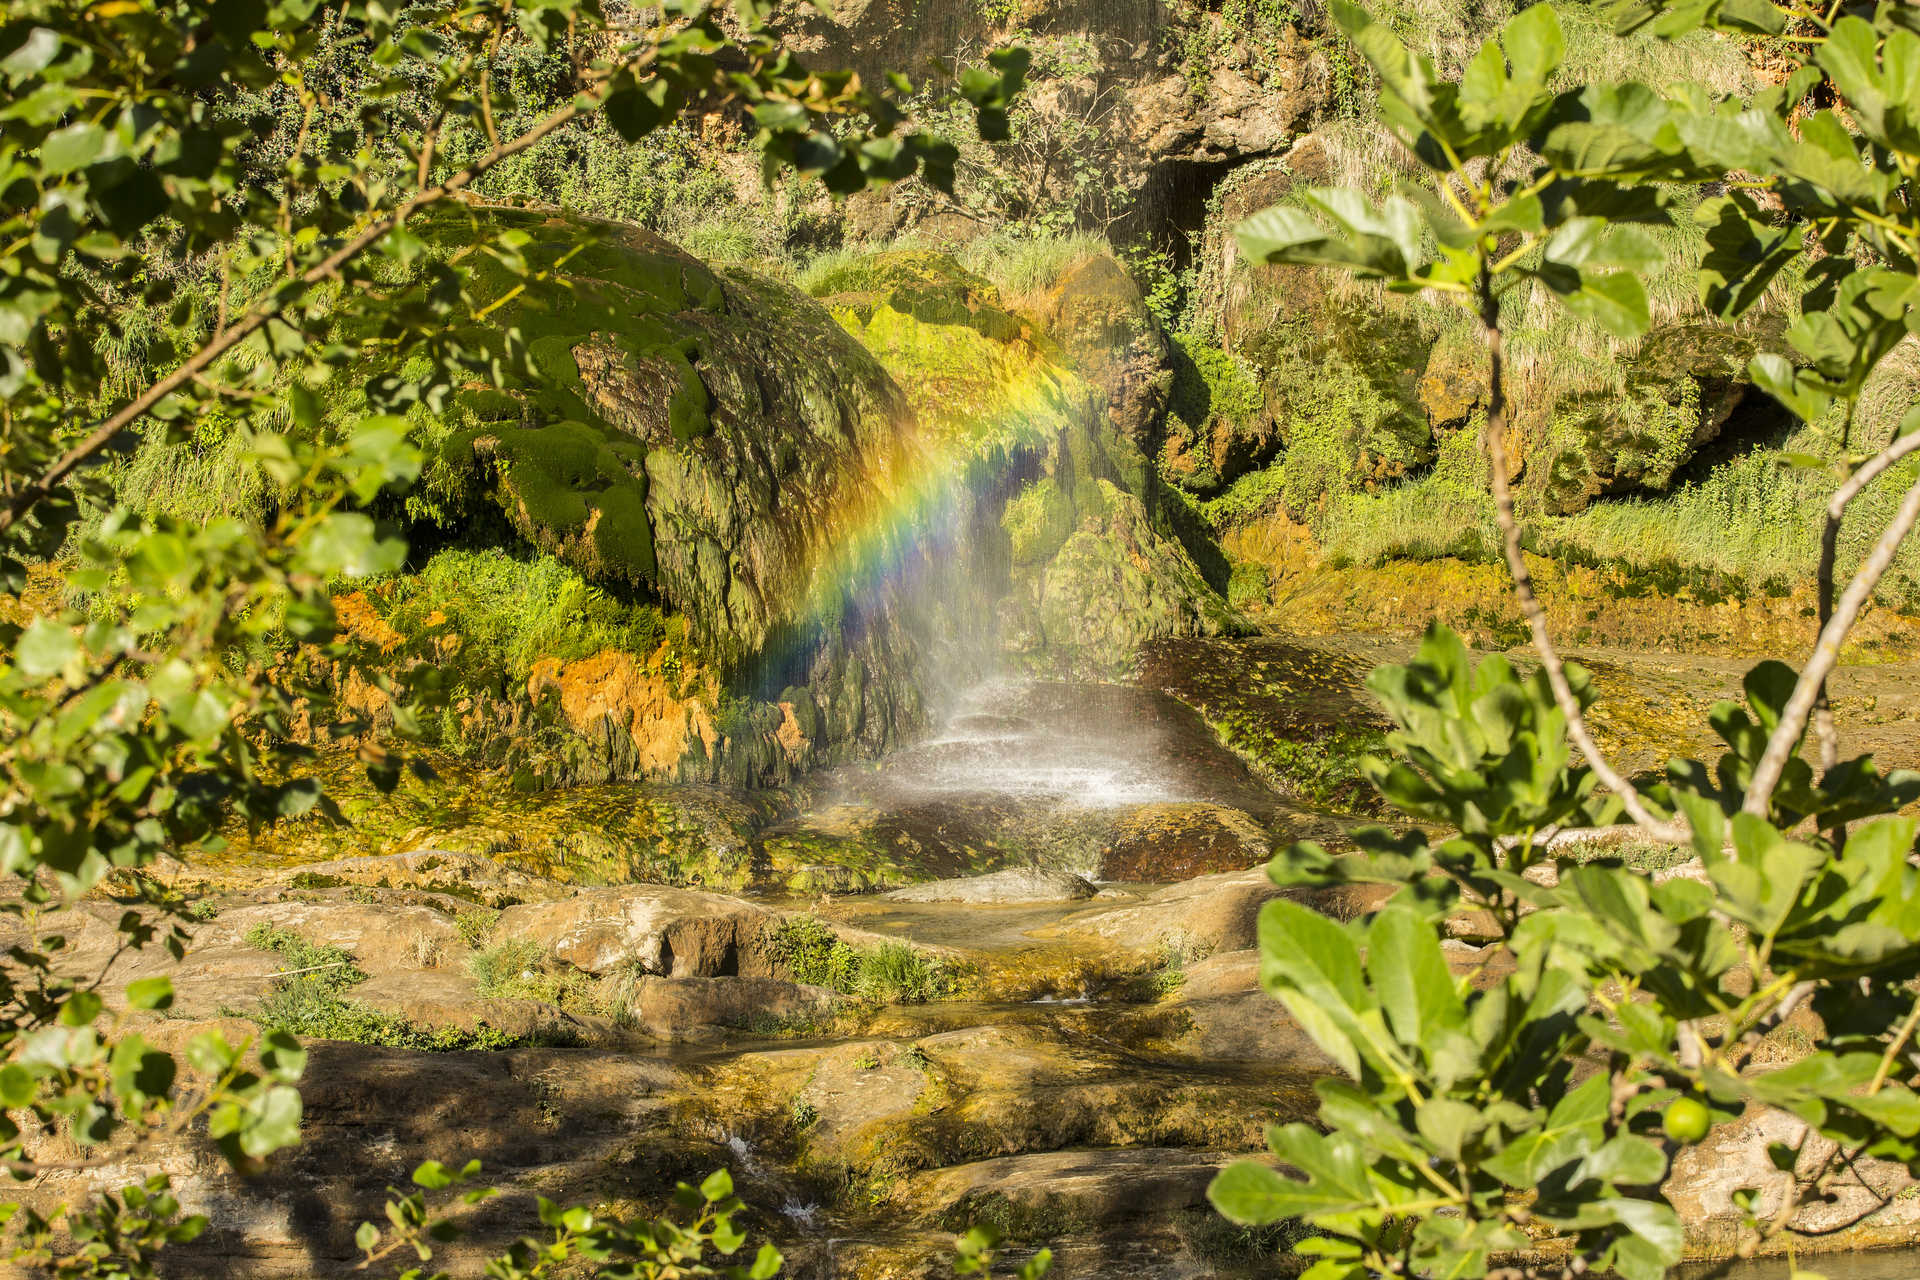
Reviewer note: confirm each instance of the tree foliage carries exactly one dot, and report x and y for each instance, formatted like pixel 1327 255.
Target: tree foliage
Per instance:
pixel 1551 1088
pixel 147 174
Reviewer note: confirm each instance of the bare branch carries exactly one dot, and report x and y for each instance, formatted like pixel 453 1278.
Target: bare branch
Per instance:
pixel 1869 471
pixel 1550 661
pixel 256 317
pixel 1826 655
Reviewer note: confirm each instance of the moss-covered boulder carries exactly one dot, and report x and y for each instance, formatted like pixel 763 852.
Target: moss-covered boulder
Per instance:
pixel 704 435
pixel 1676 394
pixel 1220 426
pixel 796 499
pixel 1114 584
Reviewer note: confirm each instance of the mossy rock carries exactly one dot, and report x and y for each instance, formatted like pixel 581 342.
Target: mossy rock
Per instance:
pixel 1678 392
pixel 1115 585
pixel 674 428
pixel 1219 427
pixel 931 287
pixel 1339 381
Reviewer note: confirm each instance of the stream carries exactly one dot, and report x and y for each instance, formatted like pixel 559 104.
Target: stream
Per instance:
pixel 1076 1062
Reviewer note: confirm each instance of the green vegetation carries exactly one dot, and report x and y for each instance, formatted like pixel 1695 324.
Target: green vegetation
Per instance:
pixel 1459 1128
pixel 475 926
pixel 889 973
pixel 311 1001
pixel 506 611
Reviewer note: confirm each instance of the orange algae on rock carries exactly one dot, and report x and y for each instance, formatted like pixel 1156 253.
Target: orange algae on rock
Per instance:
pixel 635 696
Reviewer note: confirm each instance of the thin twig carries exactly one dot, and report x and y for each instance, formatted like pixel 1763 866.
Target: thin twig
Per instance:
pixel 1826 655
pixel 256 317
pixel 1869 471
pixel 1496 450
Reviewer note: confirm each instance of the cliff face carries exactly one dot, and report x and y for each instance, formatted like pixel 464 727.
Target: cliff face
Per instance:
pixel 1161 97
pixel 810 504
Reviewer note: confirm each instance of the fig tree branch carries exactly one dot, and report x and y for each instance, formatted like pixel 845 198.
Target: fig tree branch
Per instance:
pixel 1494 443
pixel 1869 471
pixel 1826 655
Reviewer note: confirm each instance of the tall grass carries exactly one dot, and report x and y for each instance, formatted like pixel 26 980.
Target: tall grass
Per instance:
pixel 1753 521
pixel 1020 265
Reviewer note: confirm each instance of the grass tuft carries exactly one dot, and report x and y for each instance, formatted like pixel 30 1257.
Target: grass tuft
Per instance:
pixel 891 973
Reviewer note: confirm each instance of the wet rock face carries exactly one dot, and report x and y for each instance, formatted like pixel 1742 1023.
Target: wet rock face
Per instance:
pixel 1096 314
pixel 1052 453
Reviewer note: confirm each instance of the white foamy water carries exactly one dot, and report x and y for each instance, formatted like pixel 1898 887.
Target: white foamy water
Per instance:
pixel 1035 741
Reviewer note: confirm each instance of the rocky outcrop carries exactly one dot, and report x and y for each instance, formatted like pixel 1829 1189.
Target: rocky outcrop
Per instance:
pixel 1167 842
pixel 689 1008
pixel 677 933
pixel 1364 389
pixel 1677 393
pixel 1178 89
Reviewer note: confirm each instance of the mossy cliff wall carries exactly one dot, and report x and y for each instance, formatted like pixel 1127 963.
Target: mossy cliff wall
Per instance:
pixel 822 508
pixel 1314 386
pixel 1047 423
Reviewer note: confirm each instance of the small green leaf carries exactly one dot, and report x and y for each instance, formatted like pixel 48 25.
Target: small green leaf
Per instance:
pixel 151 993
pixel 74 147
pixel 81 1008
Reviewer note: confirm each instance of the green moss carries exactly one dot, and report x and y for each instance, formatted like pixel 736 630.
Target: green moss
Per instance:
pixel 1210 382
pixel 891 973
pixel 1251 586
pixel 485 615
pixel 544 442
pixel 1039 520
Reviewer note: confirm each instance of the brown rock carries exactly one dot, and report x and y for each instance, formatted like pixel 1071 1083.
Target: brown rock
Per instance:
pixel 679 933
pixel 1090 1188
pixel 680 1008
pixel 1021 884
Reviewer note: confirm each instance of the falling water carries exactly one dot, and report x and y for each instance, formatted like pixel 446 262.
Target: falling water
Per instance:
pixel 1084 746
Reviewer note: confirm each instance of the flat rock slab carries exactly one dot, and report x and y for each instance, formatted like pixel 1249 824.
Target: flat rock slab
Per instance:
pixel 1207 914
pixel 684 1008
pixel 1081 1188
pixel 1019 884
